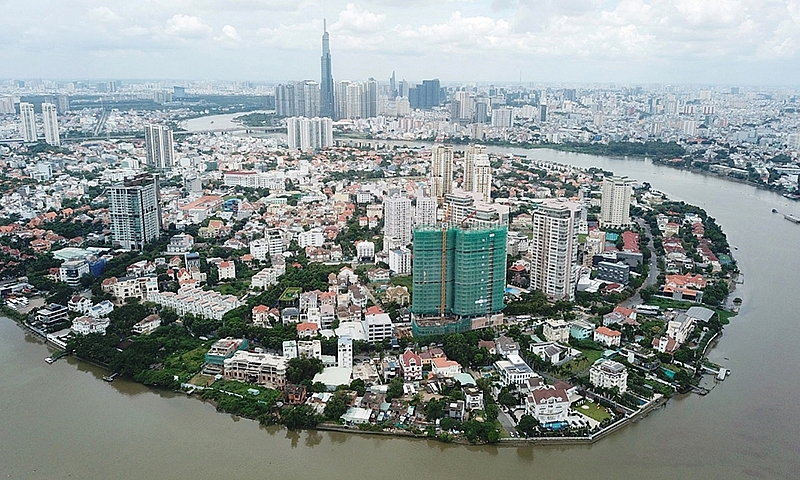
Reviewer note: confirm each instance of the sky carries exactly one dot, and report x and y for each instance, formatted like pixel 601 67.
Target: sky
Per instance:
pixel 728 42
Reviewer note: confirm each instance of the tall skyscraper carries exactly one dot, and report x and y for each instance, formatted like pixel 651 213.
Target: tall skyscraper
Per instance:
pixel 160 146
pixel 425 95
pixel 326 82
pixel 284 100
pixel 50 120
pixel 482 179
pixel 425 211
pixel 6 105
pixel 441 170
pixel 396 221
pixel 459 271
pixel 28 119
pixel 309 133
pixel 470 155
pixel 615 204
pixel 392 86
pixel 554 249
pixel 135 212
pixel 306 99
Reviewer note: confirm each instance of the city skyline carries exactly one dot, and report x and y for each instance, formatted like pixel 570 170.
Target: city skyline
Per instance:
pixel 580 41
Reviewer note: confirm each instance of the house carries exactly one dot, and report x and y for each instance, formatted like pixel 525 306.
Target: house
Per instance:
pixel 608 337
pixel 260 368
pixel 556 331
pixel 307 329
pixel 225 348
pixel 550 352
pixel 295 394
pixel 505 346
pixel 609 374
pixel 548 404
pixel 226 270
pixel 455 410
pixel 79 304
pixel 261 316
pixel 410 365
pixel 442 367
pixel 147 325
pixel 581 330
pixel 86 325
pixel 102 309
pixel 290 315
pixel 473 397
pixel 513 370
pixel 488 345
pixel 398 294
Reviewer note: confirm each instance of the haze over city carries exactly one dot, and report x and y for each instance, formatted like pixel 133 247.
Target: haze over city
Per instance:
pixel 582 41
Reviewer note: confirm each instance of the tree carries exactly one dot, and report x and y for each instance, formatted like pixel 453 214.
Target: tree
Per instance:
pixel 302 369
pixel 336 406
pixel 395 389
pixel 299 416
pixel 434 410
pixel 507 399
pixel 358 386
pixel 527 425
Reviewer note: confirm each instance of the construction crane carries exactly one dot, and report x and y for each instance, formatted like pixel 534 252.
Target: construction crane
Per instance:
pixel 445 218
pixel 471 214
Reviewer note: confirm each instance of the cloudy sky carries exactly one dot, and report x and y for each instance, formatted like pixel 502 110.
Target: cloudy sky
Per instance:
pixel 582 41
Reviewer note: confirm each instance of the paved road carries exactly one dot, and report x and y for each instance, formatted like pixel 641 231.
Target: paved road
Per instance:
pixel 652 276
pixel 507 423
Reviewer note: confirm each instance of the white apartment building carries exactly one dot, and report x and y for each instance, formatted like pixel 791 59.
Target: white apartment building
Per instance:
pixel 159 145
pixel 50 120
pixel 397 221
pixel 28 123
pixel 265 278
pixel 131 287
pixel 309 133
pixel 345 352
pixel 615 203
pixel 227 269
pixel 377 327
pixel 554 249
pixel 425 210
pixel 311 238
pixel 556 331
pixel 441 175
pixel 514 370
pixel 400 261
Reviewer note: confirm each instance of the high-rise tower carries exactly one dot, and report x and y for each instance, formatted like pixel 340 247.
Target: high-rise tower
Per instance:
pixel 159 144
pixel 615 203
pixel 326 83
pixel 135 212
pixel 28 122
pixel 50 121
pixel 554 249
pixel 441 170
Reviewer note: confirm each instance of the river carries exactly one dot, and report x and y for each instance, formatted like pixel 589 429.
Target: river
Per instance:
pixel 63 421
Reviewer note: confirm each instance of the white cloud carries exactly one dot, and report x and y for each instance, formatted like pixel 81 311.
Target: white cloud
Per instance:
pixel 229 34
pixel 187 26
pixel 103 14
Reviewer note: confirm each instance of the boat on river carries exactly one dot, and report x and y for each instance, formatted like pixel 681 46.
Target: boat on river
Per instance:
pixel 791 218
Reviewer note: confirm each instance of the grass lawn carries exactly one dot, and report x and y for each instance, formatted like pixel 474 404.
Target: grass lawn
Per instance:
pixel 404 281
pixel 202 380
pixel 594 411
pixel 499 427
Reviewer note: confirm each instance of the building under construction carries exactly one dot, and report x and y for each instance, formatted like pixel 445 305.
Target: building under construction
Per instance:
pixel 459 277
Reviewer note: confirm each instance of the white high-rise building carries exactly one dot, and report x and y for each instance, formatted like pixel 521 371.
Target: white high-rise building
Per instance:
pixel 482 177
pixel 470 154
pixel 503 117
pixel 397 221
pixel 345 352
pixel 340 100
pixel 6 105
pixel 309 133
pixel 135 212
pixel 50 120
pixel 615 204
pixel 425 212
pixel 28 119
pixel 554 249
pixel 160 147
pixel 441 170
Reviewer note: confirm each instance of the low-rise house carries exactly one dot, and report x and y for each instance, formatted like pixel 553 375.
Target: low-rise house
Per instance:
pixel 265 278
pixel 506 346
pixel 79 304
pixel 548 404
pixel 513 370
pixel 225 348
pixel 226 270
pixel 52 314
pixel 102 309
pixel 608 337
pixel 411 366
pixel 131 287
pixel 455 409
pixel 86 325
pixel 261 316
pixel 307 329
pixel 473 398
pixel 609 374
pixel 581 330
pixel 198 302
pixel 147 325
pixel 442 367
pixel 488 345
pixel 556 330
